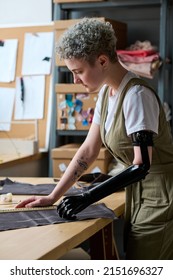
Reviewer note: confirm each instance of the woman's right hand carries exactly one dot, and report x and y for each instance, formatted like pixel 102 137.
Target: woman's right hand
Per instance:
pixel 35 201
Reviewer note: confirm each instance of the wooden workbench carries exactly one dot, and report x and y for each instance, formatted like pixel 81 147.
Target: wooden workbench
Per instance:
pixel 53 241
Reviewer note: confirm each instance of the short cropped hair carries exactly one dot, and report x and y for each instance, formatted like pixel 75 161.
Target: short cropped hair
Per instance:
pixel 88 39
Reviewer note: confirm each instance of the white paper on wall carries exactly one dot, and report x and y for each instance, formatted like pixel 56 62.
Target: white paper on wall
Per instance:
pixel 8 55
pixel 37 55
pixel 7 96
pixel 29 104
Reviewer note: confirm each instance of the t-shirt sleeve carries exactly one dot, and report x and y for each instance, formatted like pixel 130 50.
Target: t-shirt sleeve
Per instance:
pixel 141 110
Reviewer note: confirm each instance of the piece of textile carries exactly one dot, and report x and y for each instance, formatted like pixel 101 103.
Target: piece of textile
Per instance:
pixel 125 57
pixel 25 219
pixel 138 53
pixel 145 69
pixel 18 188
pixel 141 58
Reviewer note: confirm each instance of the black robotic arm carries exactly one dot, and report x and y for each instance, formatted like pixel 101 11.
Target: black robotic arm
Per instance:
pixel 71 205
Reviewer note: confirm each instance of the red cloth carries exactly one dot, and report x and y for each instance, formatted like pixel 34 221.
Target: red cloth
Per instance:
pixel 142 53
pixel 138 59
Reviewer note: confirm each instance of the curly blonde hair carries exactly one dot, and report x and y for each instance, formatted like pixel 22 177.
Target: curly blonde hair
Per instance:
pixel 88 39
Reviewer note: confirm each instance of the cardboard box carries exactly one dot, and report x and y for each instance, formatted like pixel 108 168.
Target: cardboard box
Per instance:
pixel 11 146
pixel 75 107
pixel 62 156
pixel 120 30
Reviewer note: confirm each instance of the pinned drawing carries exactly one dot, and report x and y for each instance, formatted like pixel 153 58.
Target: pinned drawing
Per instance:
pixel 38 52
pixel 8 57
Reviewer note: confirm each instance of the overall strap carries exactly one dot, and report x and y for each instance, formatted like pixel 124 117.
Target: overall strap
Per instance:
pixel 137 81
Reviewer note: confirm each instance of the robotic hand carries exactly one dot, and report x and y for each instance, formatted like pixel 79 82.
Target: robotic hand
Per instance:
pixel 71 205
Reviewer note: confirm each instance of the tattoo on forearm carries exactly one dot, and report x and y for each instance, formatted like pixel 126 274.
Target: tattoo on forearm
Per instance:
pixel 82 165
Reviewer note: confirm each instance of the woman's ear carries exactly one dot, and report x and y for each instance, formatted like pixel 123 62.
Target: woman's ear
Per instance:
pixel 103 60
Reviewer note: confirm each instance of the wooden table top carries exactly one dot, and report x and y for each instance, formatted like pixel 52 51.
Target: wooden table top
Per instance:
pixel 53 241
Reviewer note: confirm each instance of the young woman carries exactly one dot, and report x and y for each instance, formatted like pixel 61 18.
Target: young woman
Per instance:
pixel 130 121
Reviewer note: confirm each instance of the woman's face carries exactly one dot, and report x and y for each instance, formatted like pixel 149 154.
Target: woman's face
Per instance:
pixel 90 76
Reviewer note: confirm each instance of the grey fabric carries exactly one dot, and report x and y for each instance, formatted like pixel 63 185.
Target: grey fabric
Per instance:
pixel 25 219
pixel 17 188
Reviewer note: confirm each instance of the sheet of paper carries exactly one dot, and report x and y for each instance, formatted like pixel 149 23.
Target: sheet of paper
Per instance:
pixel 31 104
pixel 8 55
pixel 37 56
pixel 7 97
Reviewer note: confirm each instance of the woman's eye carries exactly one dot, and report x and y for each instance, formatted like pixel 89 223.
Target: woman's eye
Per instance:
pixel 78 73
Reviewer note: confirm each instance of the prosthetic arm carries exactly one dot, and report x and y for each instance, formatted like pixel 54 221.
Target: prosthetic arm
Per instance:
pixel 71 205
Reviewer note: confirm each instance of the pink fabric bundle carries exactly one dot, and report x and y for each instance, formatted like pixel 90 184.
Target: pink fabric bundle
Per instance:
pixel 141 58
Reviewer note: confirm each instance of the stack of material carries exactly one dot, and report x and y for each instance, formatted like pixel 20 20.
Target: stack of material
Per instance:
pixel 141 58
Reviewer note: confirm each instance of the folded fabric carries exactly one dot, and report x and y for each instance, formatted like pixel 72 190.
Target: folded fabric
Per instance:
pixel 141 58
pixel 143 69
pixel 138 59
pixel 25 219
pixel 140 53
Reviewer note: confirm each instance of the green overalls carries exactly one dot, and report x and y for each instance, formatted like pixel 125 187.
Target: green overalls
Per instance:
pixel 149 203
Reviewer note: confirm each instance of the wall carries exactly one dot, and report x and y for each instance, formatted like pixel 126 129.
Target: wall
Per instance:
pixel 25 13
pixel 22 12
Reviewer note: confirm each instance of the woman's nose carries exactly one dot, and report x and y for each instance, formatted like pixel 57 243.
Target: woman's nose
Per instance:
pixel 76 80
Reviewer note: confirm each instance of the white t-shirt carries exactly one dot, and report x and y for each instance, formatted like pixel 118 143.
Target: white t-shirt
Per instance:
pixel 140 107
